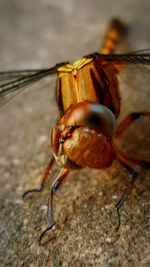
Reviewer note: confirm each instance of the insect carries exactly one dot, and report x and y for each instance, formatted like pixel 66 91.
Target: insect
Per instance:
pixel 88 98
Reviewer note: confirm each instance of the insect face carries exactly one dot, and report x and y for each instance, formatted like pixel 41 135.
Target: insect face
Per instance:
pixel 81 136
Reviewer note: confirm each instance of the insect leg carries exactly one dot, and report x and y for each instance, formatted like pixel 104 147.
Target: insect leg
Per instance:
pixel 43 180
pixel 126 193
pixel 129 120
pixel 120 130
pixel 127 160
pixel 140 162
pixel 57 182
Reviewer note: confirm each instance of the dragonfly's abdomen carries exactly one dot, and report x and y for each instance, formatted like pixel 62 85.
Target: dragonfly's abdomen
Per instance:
pixel 93 82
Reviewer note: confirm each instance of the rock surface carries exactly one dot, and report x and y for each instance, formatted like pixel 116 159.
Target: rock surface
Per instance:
pixel 36 34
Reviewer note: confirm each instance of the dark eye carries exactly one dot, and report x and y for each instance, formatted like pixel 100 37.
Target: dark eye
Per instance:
pixel 93 119
pixel 95 116
pixel 101 119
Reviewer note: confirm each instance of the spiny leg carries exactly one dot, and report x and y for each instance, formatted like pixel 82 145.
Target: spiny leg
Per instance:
pixel 120 157
pixel 126 160
pixel 43 180
pixel 126 193
pixel 57 182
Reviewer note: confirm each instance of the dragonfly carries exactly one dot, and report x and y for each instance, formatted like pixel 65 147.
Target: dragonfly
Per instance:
pixel 88 98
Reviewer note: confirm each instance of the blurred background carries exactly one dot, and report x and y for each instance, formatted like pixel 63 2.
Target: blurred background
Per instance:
pixel 36 34
pixel 44 32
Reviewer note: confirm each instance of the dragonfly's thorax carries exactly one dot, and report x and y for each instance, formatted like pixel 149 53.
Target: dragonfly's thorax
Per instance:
pixel 82 136
pixel 88 80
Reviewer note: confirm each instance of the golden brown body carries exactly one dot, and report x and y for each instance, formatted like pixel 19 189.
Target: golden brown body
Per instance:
pixel 93 81
pixel 87 81
pixel 89 104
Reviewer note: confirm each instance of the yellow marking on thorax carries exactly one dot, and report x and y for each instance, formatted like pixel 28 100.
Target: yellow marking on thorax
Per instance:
pixel 69 73
pixel 78 64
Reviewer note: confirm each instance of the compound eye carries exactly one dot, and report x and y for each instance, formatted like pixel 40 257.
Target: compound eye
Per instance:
pixel 101 119
pixel 95 116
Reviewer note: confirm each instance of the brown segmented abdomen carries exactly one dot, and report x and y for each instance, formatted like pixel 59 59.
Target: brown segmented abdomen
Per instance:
pixel 94 82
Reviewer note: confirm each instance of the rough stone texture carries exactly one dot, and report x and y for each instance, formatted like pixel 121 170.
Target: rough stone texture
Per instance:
pixel 39 34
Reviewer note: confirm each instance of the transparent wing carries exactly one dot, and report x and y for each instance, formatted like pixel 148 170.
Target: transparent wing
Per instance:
pixel 143 51
pixel 137 73
pixel 135 66
pixel 9 75
pixel 13 82
pixel 137 57
pixel 141 57
pixel 137 77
